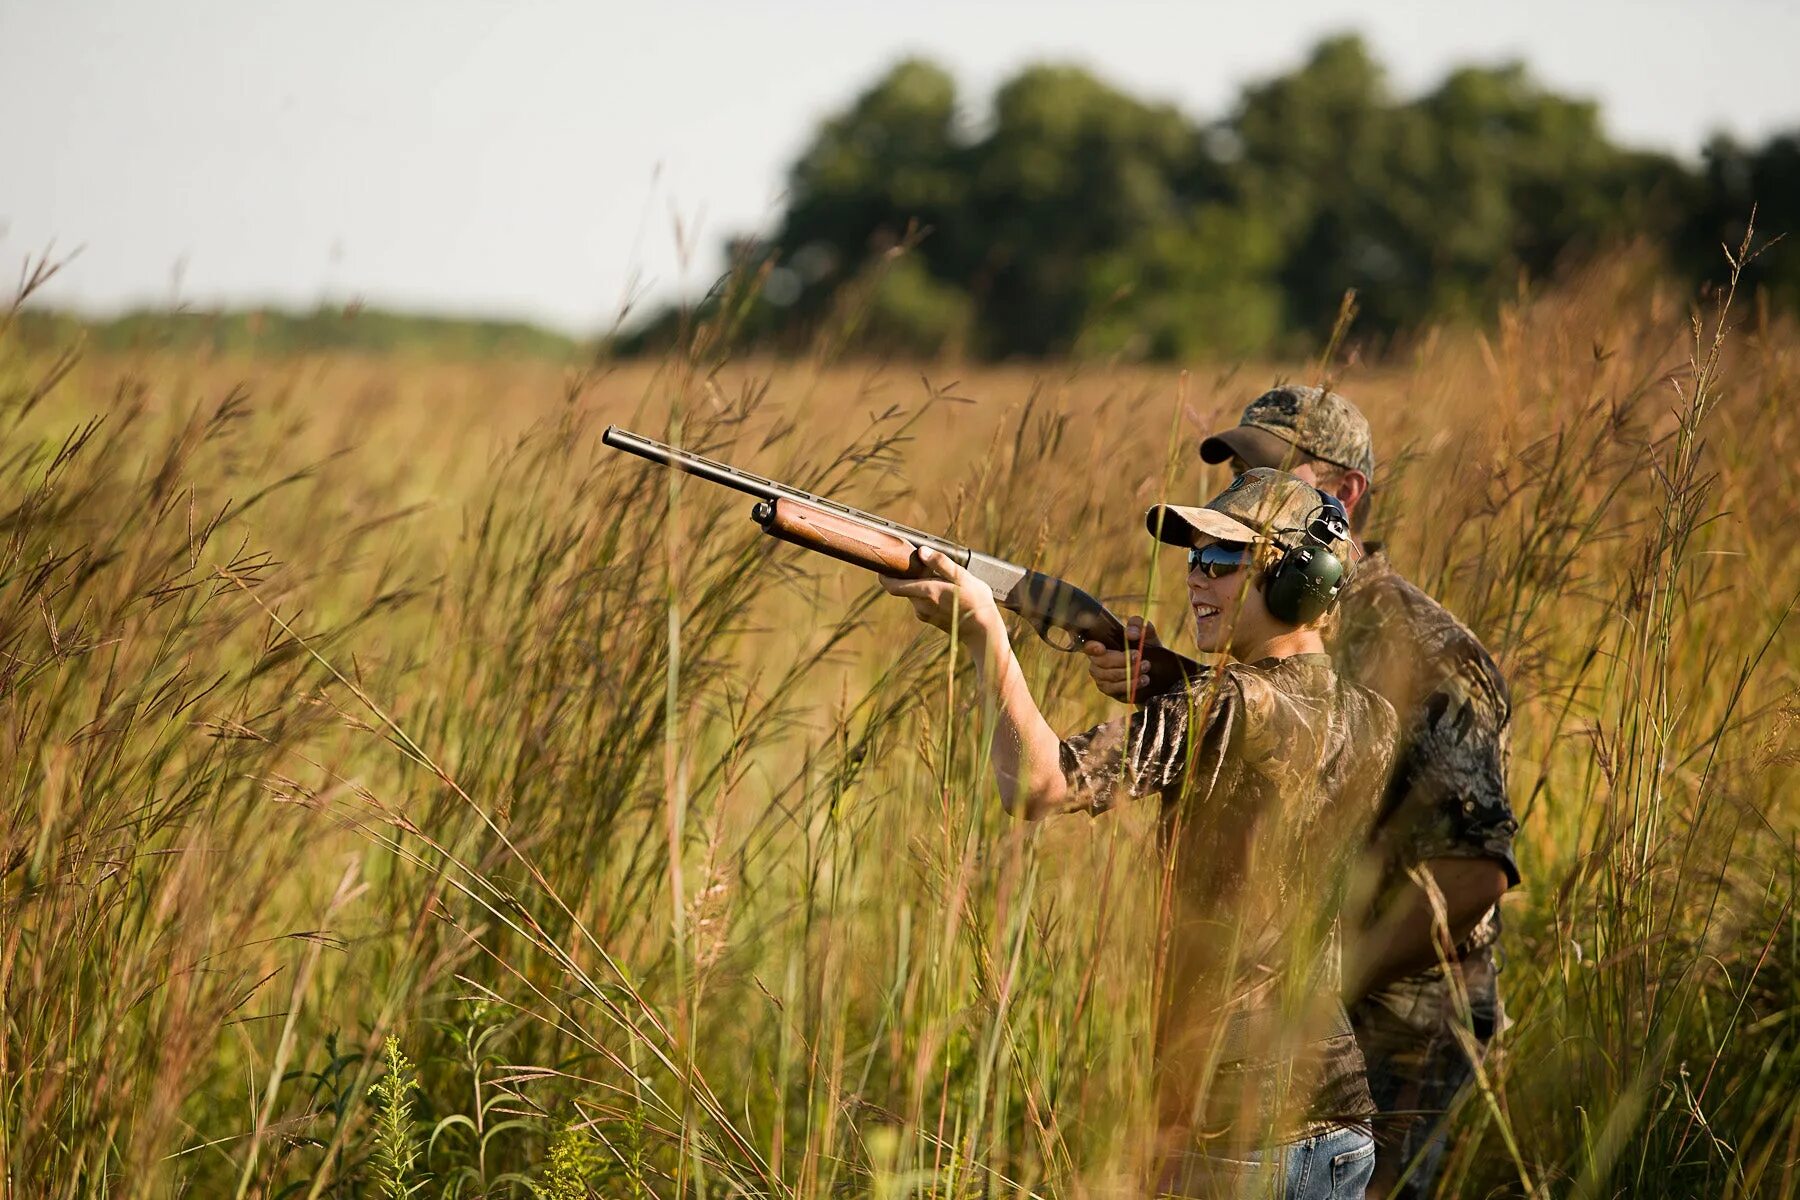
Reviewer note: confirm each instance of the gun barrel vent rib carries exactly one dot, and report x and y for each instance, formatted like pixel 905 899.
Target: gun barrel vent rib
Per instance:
pixel 729 476
pixel 873 543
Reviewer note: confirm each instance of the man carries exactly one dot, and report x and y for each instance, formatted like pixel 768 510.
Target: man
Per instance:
pixel 1445 827
pixel 1266 771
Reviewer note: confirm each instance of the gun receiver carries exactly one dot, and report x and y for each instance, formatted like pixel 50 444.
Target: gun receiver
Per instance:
pixel 1060 613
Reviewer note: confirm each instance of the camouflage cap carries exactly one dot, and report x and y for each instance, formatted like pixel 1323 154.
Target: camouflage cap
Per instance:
pixel 1316 423
pixel 1261 505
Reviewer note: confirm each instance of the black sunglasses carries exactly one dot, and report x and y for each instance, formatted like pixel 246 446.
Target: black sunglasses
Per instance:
pixel 1215 560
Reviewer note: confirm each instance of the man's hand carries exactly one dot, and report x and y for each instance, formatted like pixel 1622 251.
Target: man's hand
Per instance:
pixel 950 599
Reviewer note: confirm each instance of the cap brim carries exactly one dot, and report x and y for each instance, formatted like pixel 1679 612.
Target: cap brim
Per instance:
pixel 1255 446
pixel 1178 525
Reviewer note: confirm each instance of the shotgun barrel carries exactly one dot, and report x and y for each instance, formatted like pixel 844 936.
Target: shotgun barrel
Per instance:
pixel 1060 613
pixel 726 475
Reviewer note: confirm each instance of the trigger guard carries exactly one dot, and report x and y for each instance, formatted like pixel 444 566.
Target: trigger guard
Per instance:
pixel 1055 636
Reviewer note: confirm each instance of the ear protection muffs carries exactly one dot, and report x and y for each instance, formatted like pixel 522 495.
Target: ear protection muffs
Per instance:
pixel 1304 582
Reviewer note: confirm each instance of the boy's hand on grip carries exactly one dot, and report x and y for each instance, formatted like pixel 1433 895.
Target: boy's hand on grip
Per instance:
pixel 1149 669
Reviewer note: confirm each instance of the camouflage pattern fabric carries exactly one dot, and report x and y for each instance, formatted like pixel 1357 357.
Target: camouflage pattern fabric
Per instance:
pixel 1267 775
pixel 1261 505
pixel 1417 1064
pixel 1317 423
pixel 1447 799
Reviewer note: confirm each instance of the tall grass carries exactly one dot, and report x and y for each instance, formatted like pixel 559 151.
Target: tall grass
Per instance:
pixel 347 701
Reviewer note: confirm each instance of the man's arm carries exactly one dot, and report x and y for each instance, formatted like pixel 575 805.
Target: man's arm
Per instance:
pixel 1448 820
pixel 1409 935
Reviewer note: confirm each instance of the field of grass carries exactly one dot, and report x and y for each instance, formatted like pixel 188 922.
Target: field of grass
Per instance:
pixel 404 795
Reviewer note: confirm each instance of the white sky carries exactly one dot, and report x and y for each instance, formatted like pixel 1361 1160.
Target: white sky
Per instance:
pixel 533 157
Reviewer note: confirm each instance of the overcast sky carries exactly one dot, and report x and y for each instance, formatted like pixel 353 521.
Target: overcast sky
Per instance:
pixel 537 157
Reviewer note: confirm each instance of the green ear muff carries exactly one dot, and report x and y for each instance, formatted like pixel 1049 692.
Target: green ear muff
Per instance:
pixel 1304 583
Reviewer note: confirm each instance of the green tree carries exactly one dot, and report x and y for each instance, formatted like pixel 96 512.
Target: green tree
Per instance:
pixel 1431 207
pixel 893 161
pixel 1734 179
pixel 1072 169
pixel 1201 288
pixel 1330 161
pixel 1518 177
pixel 1083 219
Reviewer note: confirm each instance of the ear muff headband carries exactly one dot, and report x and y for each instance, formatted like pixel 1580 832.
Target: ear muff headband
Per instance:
pixel 1305 582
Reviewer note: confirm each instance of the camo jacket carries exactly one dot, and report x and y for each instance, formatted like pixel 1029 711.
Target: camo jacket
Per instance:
pixel 1447 797
pixel 1268 775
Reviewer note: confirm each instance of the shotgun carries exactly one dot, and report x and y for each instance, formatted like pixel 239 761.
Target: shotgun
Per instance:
pixel 1058 611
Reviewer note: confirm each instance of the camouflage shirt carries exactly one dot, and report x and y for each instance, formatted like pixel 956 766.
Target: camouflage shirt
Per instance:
pixel 1268 775
pixel 1447 797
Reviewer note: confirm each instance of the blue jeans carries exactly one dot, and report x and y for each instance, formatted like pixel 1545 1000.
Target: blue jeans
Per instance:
pixel 1332 1166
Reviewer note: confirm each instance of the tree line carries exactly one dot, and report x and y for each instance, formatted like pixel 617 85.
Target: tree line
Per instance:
pixel 1075 218
pixel 354 327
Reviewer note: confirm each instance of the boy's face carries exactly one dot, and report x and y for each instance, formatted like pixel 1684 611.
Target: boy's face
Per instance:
pixel 1229 611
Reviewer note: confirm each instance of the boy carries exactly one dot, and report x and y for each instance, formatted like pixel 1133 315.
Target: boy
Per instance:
pixel 1445 820
pixel 1267 769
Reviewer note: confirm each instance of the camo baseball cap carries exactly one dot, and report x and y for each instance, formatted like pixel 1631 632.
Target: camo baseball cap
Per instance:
pixel 1264 504
pixel 1316 423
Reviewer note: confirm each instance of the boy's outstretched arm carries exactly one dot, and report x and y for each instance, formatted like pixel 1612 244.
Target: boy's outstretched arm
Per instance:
pixel 1026 751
